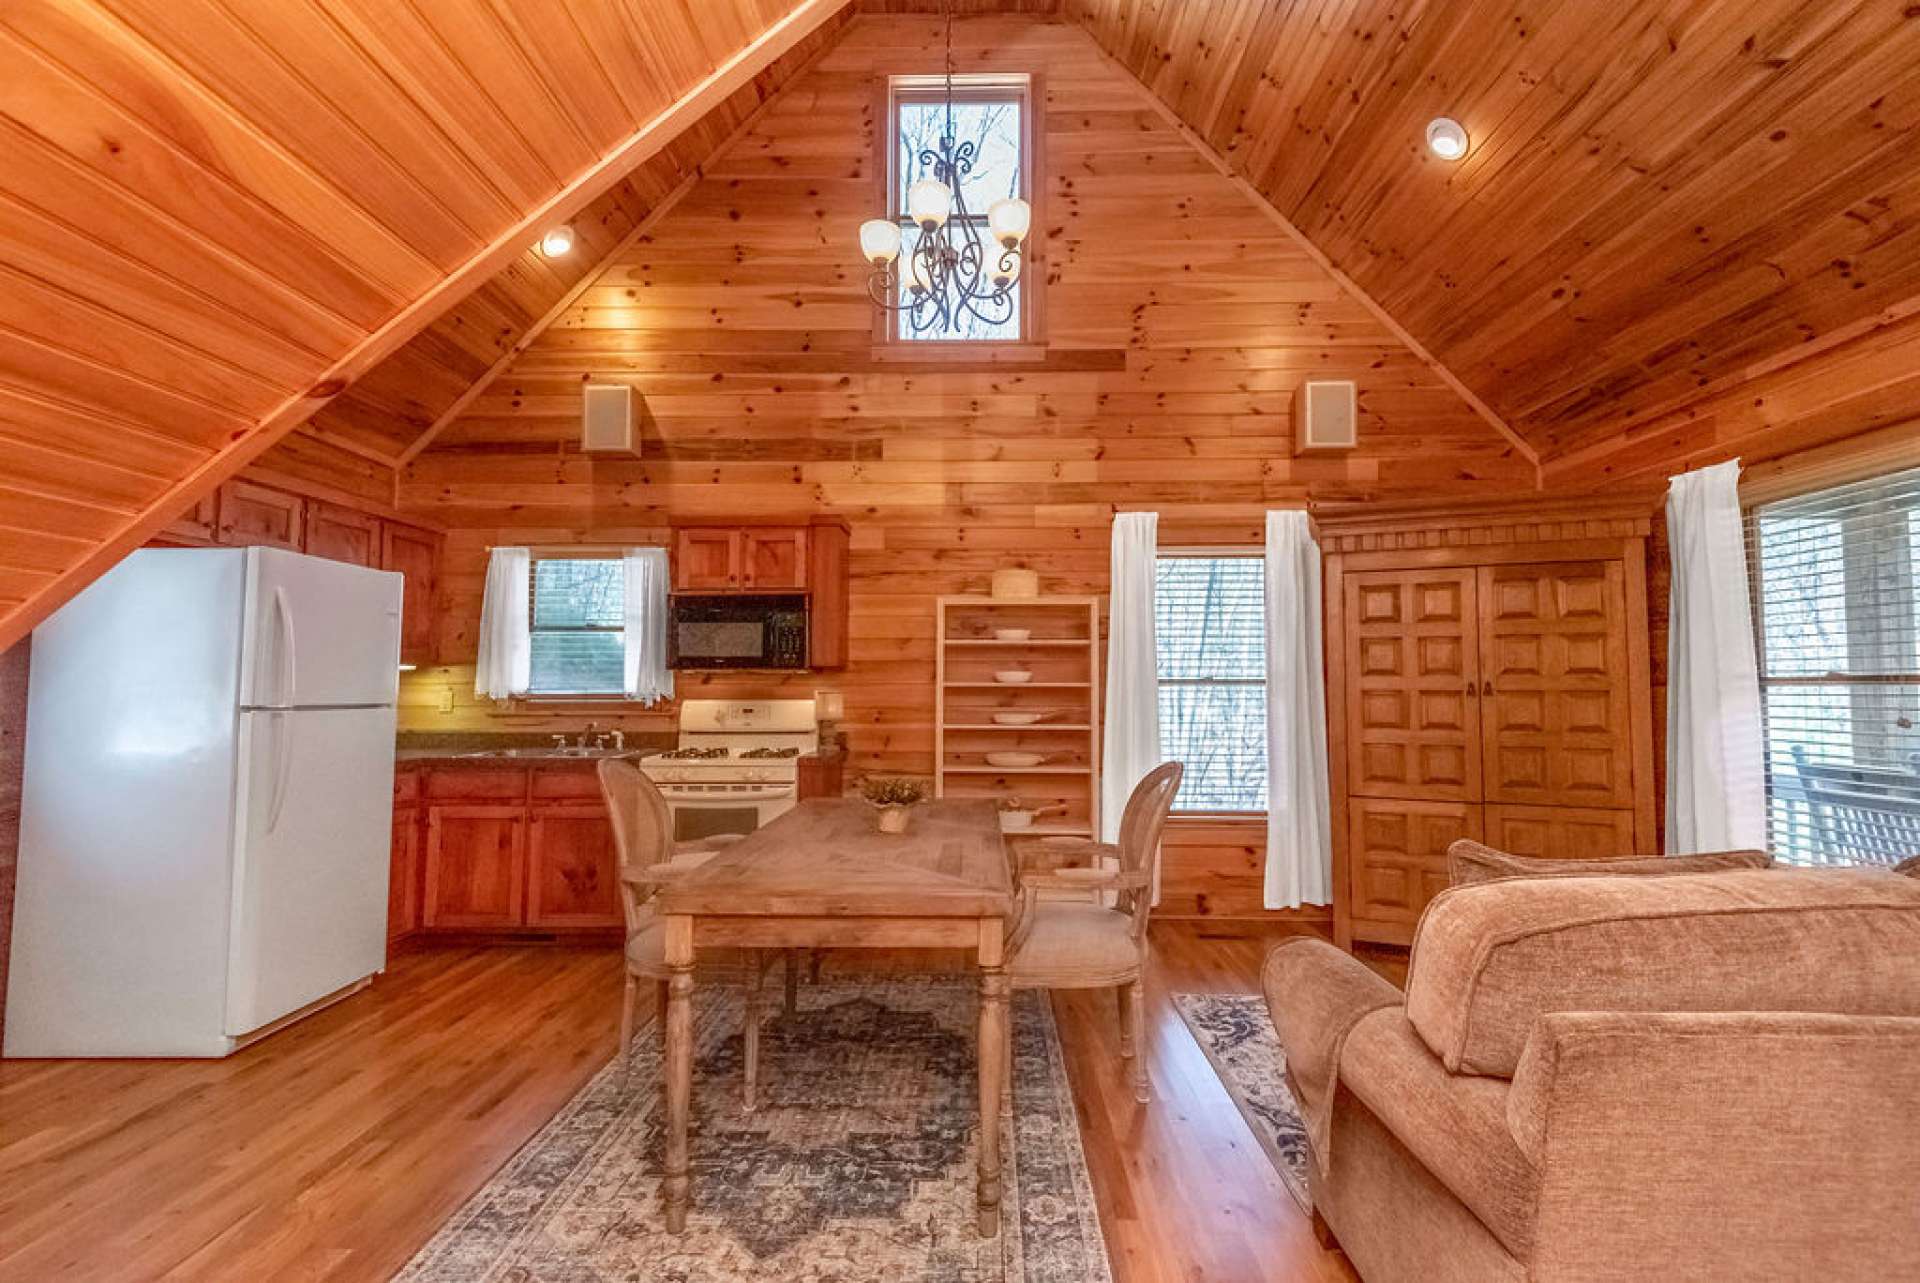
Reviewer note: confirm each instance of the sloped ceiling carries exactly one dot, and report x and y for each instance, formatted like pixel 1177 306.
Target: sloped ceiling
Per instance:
pixel 214 215
pixel 1661 196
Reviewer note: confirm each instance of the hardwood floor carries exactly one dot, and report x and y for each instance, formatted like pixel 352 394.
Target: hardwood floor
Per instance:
pixel 332 1150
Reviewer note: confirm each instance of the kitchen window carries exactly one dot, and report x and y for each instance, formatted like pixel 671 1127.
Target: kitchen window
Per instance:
pixel 578 626
pixel 1210 635
pixel 991 114
pixel 1836 579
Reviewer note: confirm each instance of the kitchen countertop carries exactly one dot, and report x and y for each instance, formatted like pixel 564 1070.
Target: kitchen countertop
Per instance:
pixel 506 749
pixel 548 756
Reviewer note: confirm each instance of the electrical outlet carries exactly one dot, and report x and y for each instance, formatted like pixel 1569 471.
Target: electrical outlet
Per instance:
pixel 446 699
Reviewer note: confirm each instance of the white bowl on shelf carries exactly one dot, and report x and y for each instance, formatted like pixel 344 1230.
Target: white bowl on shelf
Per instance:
pixel 1013 676
pixel 1016 719
pixel 1012 634
pixel 1015 760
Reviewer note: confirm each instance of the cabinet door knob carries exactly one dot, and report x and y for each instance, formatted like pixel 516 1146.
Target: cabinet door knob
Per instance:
pixel 1486 688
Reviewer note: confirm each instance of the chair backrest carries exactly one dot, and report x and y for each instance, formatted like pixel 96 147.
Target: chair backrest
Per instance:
pixel 642 829
pixel 1140 828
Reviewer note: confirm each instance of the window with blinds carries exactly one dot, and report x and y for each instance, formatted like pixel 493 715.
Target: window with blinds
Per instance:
pixel 1837 614
pixel 579 626
pixel 1210 632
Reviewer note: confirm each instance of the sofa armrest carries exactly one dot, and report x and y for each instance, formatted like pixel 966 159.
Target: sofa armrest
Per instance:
pixel 1752 1145
pixel 1316 994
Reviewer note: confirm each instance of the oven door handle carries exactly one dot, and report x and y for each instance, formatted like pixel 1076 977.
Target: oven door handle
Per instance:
pixel 726 797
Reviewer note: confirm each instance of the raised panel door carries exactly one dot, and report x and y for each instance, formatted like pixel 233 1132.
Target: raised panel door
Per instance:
pixel 1397 858
pixel 260 515
pixel 197 526
pixel 1561 832
pixel 773 559
pixel 476 867
pixel 706 560
pixel 1412 722
pixel 341 534
pixel 572 868
pixel 403 879
pixel 1556 710
pixel 415 554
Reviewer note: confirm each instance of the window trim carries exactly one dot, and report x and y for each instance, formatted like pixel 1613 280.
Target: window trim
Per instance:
pixel 1242 552
pixel 1028 87
pixel 534 630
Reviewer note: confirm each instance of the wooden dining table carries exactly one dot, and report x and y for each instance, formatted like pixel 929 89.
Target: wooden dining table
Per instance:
pixel 823 876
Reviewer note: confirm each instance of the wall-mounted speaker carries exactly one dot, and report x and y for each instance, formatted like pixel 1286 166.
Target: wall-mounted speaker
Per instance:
pixel 1326 415
pixel 607 419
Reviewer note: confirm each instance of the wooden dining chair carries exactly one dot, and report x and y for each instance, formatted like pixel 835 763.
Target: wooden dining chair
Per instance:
pixel 1089 944
pixel 649 859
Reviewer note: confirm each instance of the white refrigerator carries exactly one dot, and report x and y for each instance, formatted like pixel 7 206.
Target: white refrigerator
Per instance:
pixel 207 805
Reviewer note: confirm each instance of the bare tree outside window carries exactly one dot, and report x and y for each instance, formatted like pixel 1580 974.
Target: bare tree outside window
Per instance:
pixel 1210 635
pixel 579 626
pixel 993 125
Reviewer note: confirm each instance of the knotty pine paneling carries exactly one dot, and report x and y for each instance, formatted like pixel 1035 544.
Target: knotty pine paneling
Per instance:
pixel 1659 195
pixel 207 208
pixel 1179 322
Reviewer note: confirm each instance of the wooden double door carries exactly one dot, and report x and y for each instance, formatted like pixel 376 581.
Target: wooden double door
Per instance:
pixel 1497 702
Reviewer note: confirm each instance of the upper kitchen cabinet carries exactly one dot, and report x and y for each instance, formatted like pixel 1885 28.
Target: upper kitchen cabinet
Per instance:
pixel 773 559
pixel 415 553
pixel 260 515
pixel 341 534
pixel 706 560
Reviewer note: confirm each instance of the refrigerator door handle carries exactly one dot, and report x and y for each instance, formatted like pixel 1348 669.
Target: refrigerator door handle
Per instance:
pixel 282 766
pixel 289 660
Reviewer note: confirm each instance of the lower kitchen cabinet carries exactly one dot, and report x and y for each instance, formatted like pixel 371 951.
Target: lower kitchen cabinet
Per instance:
pixel 403 881
pixel 476 867
pixel 514 851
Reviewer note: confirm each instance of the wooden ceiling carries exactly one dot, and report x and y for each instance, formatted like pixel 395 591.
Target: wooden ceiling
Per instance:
pixel 214 215
pixel 219 220
pixel 1661 196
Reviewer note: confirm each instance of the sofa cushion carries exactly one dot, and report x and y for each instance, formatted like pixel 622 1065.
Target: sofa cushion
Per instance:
pixel 1455 1124
pixel 1468 862
pixel 1490 958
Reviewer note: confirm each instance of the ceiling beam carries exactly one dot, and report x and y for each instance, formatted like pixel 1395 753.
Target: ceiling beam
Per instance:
pixel 655 134
pixel 1267 207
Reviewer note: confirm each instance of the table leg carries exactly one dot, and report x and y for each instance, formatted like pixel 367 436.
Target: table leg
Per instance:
pixel 676 1186
pixel 993 1069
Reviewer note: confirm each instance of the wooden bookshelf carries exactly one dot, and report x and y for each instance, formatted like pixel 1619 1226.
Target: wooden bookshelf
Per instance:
pixel 1063 654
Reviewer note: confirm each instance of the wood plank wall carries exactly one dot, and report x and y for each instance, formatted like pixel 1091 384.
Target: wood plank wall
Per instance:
pixel 1179 323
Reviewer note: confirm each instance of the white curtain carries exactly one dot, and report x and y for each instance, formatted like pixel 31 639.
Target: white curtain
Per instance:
pixel 1132 745
pixel 1299 849
pixel 648 678
pixel 505 667
pixel 1716 787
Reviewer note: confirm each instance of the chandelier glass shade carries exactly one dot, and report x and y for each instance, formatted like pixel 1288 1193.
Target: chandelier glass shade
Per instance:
pixel 935 264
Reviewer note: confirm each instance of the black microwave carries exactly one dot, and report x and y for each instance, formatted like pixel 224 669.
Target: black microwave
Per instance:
pixel 737 632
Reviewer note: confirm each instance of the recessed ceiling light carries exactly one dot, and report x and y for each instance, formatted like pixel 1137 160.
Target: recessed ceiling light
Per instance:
pixel 1447 138
pixel 557 241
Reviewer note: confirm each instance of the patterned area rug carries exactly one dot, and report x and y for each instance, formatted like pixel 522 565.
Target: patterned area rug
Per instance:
pixel 858 1166
pixel 1237 1035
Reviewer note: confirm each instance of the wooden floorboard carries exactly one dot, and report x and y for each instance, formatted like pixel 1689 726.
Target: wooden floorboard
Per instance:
pixel 334 1149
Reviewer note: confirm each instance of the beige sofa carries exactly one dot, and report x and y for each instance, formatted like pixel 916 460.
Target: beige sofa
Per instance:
pixel 1695 1077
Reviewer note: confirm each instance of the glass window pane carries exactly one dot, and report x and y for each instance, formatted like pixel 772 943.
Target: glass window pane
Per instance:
pixel 992 127
pixel 1001 322
pixel 1220 733
pixel 579 610
pixel 1210 625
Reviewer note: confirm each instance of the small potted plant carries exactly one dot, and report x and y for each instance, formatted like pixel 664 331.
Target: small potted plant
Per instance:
pixel 894 798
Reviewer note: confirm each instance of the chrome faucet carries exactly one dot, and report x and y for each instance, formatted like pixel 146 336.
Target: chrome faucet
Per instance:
pixel 591 728
pixel 619 741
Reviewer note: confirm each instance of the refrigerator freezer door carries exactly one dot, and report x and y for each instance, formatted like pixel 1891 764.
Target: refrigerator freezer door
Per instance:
pixel 319 633
pixel 310 872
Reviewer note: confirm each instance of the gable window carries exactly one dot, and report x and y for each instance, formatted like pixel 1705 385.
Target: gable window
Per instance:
pixel 1210 636
pixel 990 125
pixel 1837 612
pixel 578 614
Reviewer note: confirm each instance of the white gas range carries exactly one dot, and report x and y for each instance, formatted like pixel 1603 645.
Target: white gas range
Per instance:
pixel 737 765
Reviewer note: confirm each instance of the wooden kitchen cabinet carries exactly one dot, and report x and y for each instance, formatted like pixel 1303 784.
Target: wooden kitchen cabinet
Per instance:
pixel 198 526
pixel 476 866
pixel 514 850
pixel 415 554
pixel 253 514
pixel 572 868
pixel 341 534
pixel 773 559
pixel 403 881
pixel 706 560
